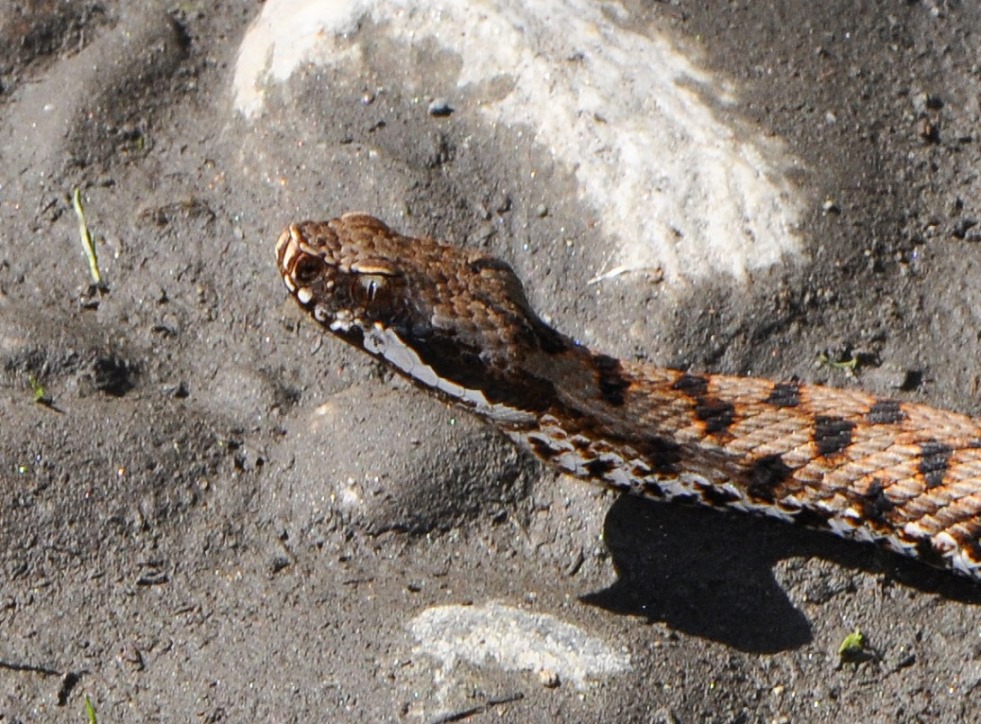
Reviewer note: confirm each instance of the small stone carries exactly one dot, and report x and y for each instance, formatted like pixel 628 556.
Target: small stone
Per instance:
pixel 549 679
pixel 177 390
pixel 278 563
pixel 963 226
pixel 955 206
pixel 924 101
pixel 928 129
pixel 440 108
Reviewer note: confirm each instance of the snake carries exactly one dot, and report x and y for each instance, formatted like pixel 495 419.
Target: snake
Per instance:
pixel 458 323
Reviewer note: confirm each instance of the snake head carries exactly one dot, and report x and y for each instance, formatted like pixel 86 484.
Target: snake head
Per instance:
pixel 450 320
pixel 332 272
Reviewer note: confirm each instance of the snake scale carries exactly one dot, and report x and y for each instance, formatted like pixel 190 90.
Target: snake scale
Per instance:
pixel 457 322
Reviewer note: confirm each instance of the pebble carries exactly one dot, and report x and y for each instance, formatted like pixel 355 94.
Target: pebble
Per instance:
pixel 440 107
pixel 549 679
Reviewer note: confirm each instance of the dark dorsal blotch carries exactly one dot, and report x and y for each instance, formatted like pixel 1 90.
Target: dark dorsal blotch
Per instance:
pixel 718 415
pixel 784 394
pixel 832 435
pixel 692 385
pixel 934 462
pixel 886 412
pixel 662 455
pixel 609 377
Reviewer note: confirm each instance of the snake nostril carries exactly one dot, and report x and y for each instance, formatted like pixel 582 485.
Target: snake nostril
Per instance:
pixel 307 269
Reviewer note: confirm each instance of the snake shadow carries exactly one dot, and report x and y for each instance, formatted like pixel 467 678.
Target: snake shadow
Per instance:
pixel 710 574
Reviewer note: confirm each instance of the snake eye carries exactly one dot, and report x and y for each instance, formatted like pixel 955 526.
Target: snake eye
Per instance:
pixel 371 289
pixel 307 270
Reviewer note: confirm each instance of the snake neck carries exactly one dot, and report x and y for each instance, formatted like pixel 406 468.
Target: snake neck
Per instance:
pixel 609 421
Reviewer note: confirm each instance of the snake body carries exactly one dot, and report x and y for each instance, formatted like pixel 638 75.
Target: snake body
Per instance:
pixel 457 322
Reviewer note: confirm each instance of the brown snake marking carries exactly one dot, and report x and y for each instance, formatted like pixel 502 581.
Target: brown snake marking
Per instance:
pixel 903 475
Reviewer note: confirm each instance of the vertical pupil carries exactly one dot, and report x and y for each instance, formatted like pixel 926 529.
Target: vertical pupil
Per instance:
pixel 370 288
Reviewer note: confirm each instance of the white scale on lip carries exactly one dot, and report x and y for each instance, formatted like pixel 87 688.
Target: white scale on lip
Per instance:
pixel 385 343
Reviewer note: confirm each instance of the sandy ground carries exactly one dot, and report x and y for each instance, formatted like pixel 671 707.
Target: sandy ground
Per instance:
pixel 218 513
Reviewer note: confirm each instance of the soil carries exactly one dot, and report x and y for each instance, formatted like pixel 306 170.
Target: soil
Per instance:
pixel 211 511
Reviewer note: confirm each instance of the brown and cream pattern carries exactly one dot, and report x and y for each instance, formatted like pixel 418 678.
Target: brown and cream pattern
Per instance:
pixel 900 474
